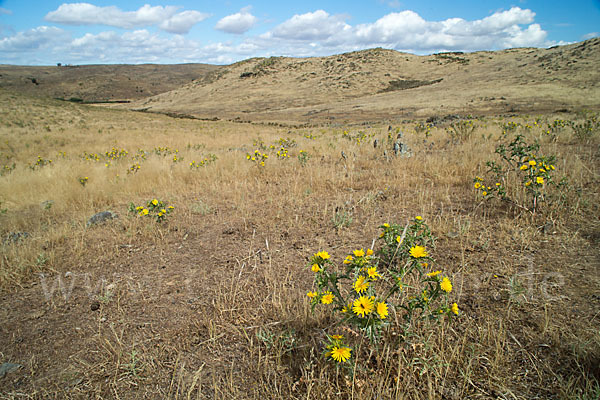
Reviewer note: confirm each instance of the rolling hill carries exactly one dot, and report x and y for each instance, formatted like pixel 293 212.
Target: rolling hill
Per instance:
pixel 377 83
pixel 99 83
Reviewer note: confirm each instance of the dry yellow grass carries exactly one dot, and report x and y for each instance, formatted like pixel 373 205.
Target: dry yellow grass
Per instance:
pixel 212 303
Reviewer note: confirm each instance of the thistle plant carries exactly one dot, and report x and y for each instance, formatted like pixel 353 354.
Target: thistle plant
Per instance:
pixel 303 157
pixel 423 129
pixel 39 163
pixel 7 169
pixel 257 158
pixel 462 130
pixel 203 163
pixel 521 166
pixel 156 209
pixel 370 286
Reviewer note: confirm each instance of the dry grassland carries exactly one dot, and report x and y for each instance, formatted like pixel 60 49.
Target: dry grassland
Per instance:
pixel 211 303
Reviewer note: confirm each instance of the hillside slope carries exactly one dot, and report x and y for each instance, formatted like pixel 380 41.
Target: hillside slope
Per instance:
pixel 99 83
pixel 378 83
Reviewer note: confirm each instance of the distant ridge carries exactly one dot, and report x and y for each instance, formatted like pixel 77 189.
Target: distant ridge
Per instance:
pixel 378 83
pixel 99 83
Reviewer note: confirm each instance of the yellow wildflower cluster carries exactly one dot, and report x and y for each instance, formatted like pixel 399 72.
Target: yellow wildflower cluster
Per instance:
pixel 7 169
pixel 115 154
pixel 536 171
pixel 258 158
pixel 282 153
pixel 90 156
pixel 154 208
pixel 358 138
pixel 203 163
pixel 485 191
pixel 165 151
pixel 337 350
pixel 83 180
pixel 134 168
pixel 396 280
pixel 40 162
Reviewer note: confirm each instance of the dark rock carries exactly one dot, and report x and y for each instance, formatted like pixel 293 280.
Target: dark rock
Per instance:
pixel 15 237
pixel 8 368
pixel 101 217
pixel 95 306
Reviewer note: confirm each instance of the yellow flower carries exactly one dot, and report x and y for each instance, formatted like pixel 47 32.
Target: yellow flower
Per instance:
pixel 418 218
pixel 348 259
pixel 497 183
pixel 386 225
pixel 455 308
pixel 484 194
pixel 315 268
pixel 139 208
pixel 363 306
pixel 163 211
pixel 382 310
pixel 337 337
pixel 532 163
pixel 144 211
pixel 539 180
pixel 552 167
pixel 399 239
pixel 527 183
pixel 361 284
pixel 359 253
pixel 262 163
pixel 369 252
pixel 446 285
pixel 434 273
pixel 341 354
pixel 418 252
pixel 312 294
pixel 424 265
pixel 170 207
pixel 323 255
pixel 524 167
pixel 477 185
pixel 372 272
pixel 327 298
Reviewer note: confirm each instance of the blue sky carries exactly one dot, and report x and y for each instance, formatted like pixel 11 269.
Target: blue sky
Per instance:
pixel 45 32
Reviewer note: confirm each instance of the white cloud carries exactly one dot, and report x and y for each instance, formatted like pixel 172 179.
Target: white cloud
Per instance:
pixel 182 22
pixel 32 39
pixel 237 23
pixel 166 17
pixel 408 31
pixel 4 11
pixel 318 25
pixel 590 35
pixel 312 34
